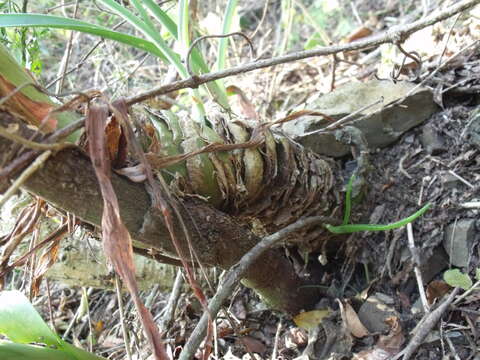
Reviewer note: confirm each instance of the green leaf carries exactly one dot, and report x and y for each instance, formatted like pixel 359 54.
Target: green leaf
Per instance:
pixel 456 278
pixel 145 26
pixel 49 21
pixel 162 17
pixel 477 274
pixel 228 17
pixel 182 27
pixel 314 41
pixel 21 323
pixel 13 351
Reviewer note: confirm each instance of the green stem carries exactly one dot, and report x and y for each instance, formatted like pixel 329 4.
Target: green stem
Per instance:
pixel 348 229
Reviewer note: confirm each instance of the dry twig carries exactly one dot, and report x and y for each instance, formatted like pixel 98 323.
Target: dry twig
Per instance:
pixel 425 326
pixel 418 273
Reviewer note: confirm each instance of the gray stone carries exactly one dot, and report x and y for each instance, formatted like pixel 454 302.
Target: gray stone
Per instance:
pixel 432 141
pixel 373 314
pixel 449 181
pixel 472 132
pixel 458 241
pixel 381 124
pixel 434 265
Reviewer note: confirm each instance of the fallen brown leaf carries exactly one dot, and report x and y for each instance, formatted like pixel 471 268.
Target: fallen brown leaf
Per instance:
pixel 436 289
pixel 351 320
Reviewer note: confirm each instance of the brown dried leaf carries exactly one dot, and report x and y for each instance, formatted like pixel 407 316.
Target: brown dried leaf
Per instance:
pixel 358 33
pixel 436 289
pixel 113 131
pixel 253 345
pixel 393 341
pixel 34 112
pixel 47 259
pixel 24 225
pixel 116 239
pixel 351 320
pixel 387 346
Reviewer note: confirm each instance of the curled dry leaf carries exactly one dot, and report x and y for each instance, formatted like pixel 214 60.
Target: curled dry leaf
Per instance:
pixel 358 33
pixel 351 320
pixel 46 261
pixel 436 289
pixel 387 345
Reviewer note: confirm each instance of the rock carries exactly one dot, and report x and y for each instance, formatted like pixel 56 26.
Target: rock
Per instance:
pixel 381 124
pixel 472 132
pixel 432 141
pixel 449 181
pixel 373 314
pixel 458 241
pixel 434 265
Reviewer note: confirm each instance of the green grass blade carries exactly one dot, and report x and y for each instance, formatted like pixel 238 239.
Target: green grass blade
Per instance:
pixel 125 14
pixel 197 62
pixel 15 351
pixel 162 17
pixel 146 27
pixel 228 17
pixel 183 34
pixel 348 229
pixel 56 22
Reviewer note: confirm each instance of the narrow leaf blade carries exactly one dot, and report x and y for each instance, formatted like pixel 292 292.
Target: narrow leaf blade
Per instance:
pixel 56 22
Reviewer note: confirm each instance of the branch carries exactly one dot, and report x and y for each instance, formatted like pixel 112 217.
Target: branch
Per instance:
pixel 425 326
pixel 397 34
